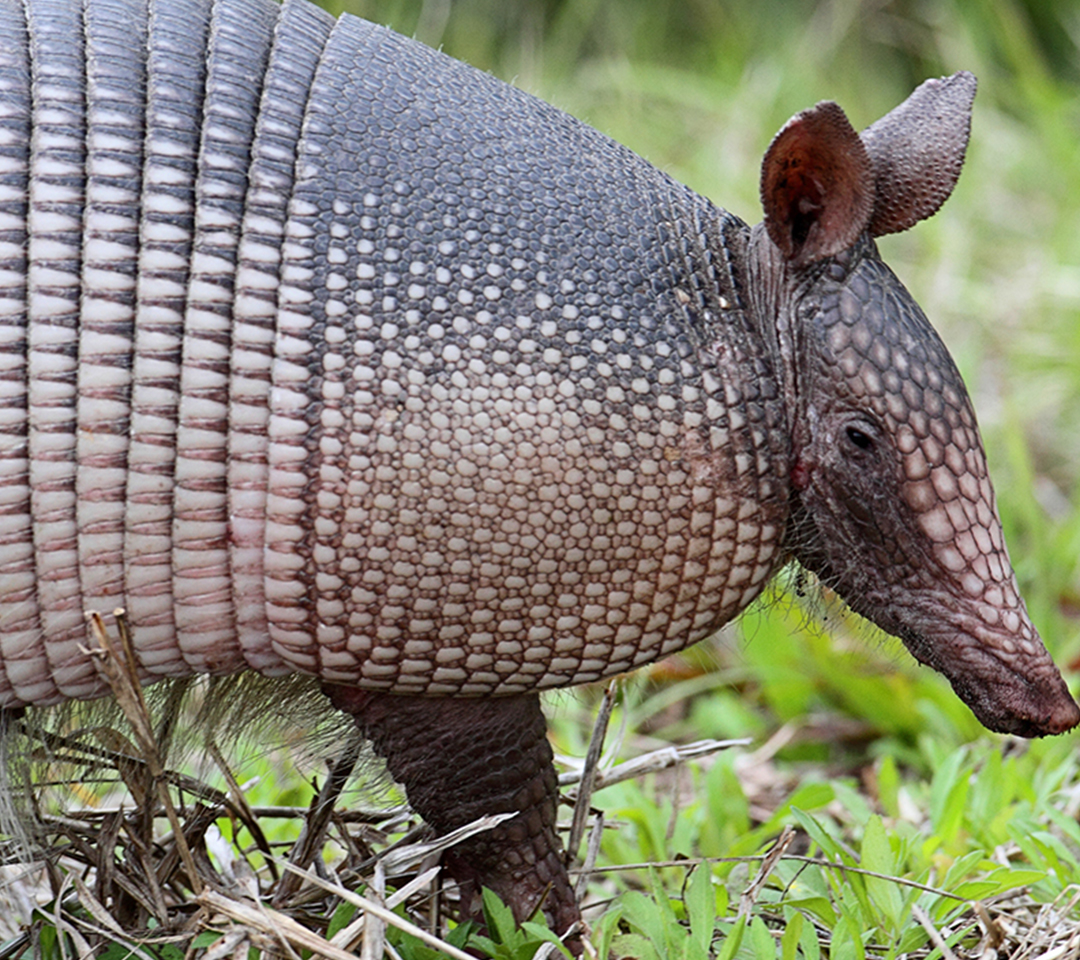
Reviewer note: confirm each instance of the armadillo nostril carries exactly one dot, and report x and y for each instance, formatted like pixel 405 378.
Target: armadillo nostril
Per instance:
pixel 1064 717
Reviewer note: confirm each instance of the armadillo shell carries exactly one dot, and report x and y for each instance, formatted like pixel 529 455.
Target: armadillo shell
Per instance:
pixel 323 352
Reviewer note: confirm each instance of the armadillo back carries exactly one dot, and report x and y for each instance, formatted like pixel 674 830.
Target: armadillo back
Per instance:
pixel 322 352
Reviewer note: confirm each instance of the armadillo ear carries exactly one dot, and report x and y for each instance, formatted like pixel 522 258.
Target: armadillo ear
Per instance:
pixel 817 185
pixel 918 150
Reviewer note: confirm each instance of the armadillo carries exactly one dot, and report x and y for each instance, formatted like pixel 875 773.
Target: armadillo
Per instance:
pixel 323 353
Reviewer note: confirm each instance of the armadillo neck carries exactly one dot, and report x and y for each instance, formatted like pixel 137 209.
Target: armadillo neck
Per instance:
pixel 323 352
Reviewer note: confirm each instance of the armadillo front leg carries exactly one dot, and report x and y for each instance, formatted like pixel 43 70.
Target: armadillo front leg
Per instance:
pixel 463 759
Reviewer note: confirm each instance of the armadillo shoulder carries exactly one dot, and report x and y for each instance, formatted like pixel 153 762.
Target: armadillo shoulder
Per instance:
pixel 506 387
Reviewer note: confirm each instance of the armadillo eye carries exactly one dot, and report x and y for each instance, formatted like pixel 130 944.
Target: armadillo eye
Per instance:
pixel 861 440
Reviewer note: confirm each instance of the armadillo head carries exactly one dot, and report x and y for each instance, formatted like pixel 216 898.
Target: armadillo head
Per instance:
pixel 892 502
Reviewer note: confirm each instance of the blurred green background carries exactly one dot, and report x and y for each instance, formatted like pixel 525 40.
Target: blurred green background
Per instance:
pixel 699 88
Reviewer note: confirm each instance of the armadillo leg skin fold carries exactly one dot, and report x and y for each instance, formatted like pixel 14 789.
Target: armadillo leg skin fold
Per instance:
pixel 463 759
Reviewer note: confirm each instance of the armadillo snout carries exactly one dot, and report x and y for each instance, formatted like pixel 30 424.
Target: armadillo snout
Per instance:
pixel 1011 688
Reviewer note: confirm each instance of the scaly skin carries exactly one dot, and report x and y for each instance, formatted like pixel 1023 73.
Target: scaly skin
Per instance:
pixel 463 759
